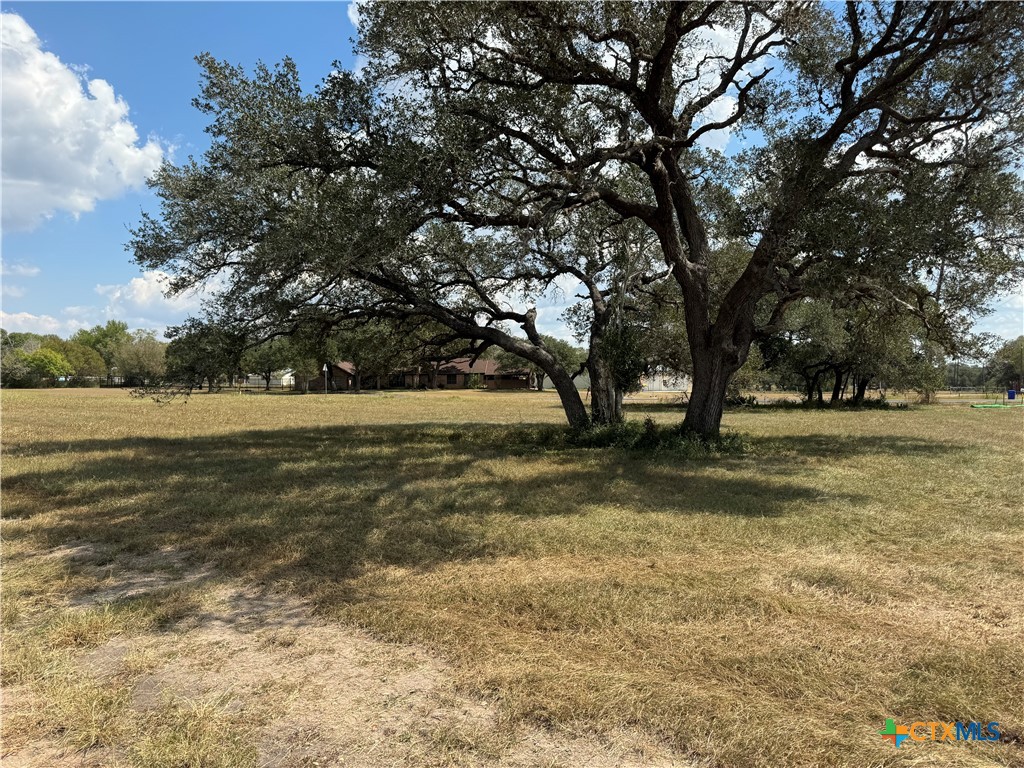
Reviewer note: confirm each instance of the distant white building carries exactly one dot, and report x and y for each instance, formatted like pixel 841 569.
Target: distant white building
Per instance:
pixel 665 381
pixel 662 381
pixel 582 382
pixel 280 380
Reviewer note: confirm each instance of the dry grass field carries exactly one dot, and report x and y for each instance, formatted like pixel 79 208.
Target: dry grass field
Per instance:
pixel 413 579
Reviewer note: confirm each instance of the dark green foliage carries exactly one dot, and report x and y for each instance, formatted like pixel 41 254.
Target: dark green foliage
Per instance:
pixel 869 404
pixel 14 371
pixel 622 347
pixel 1006 365
pixel 489 150
pixel 47 365
pixel 105 339
pixel 202 352
pixel 87 363
pixel 31 360
pixel 141 360
pixel 740 401
pixel 268 358
pixel 88 358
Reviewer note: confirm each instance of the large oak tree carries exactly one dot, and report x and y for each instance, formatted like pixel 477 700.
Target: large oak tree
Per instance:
pixel 565 100
pixel 490 148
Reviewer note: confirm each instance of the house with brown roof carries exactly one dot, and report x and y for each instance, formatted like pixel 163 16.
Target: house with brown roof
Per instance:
pixel 464 372
pixel 460 373
pixel 342 376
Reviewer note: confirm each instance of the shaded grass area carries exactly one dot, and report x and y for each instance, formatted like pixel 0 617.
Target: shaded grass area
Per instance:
pixel 756 608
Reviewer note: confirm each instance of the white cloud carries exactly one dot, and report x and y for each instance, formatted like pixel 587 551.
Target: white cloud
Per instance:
pixel 81 313
pixel 18 270
pixel 141 301
pixel 1006 325
pixel 1013 301
pixel 1007 317
pixel 720 109
pixel 7 270
pixel 64 148
pixel 551 323
pixel 355 15
pixel 353 11
pixel 27 322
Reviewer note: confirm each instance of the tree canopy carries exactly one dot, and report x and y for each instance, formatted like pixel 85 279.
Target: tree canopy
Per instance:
pixel 104 339
pixel 489 150
pixel 1007 364
pixel 86 359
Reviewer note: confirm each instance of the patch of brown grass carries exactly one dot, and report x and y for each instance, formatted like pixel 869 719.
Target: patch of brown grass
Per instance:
pixel 766 609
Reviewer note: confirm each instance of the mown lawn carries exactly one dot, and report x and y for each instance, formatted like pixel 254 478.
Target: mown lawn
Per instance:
pixel 770 608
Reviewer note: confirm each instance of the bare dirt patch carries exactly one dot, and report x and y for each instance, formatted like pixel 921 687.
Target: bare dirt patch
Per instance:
pixel 306 692
pixel 125 576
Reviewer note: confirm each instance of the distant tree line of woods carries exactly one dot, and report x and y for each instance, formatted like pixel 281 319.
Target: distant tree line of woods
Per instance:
pixel 103 355
pixel 826 352
pixel 205 355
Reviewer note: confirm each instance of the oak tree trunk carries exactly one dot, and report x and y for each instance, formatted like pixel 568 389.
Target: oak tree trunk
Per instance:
pixel 572 403
pixel 711 376
pixel 837 386
pixel 605 397
pixel 860 388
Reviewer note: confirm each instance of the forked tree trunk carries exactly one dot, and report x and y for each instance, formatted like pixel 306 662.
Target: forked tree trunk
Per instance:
pixel 605 397
pixel 860 388
pixel 720 338
pixel 837 386
pixel 711 377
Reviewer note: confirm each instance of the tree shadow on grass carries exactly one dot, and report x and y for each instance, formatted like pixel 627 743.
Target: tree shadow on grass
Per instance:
pixel 675 407
pixel 841 446
pixel 326 503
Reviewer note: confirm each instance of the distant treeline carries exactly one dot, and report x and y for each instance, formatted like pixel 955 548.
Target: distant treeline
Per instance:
pixel 103 355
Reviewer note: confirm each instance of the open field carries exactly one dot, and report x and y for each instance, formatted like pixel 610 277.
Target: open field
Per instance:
pixel 409 579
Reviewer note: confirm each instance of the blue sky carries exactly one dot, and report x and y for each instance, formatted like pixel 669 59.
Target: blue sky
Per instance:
pixel 95 94
pixel 73 175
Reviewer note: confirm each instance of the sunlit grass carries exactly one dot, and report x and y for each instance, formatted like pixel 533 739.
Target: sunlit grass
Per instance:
pixel 764 608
